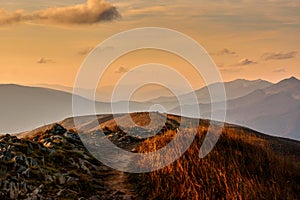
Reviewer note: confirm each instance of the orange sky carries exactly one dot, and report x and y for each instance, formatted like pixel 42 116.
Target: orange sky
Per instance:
pixel 45 43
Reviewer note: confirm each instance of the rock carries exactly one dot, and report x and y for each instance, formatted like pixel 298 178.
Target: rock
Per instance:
pixel 32 162
pixel 118 193
pixel 26 172
pixel 70 179
pixel 23 187
pixel 48 145
pixel 56 139
pixel 82 198
pixel 83 166
pixel 128 197
pixel 71 135
pixel 58 130
pixel 20 159
pixel 61 179
pixel 124 139
pixel 134 150
pixel 73 163
pixel 61 192
pixel 96 197
pixel 48 178
pixel 13 191
pixel 37 190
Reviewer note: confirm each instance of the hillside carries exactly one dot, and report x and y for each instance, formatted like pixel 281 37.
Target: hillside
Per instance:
pixel 52 163
pixel 24 108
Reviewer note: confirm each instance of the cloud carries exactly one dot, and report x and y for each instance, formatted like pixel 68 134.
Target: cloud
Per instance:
pixel 246 61
pixel 43 60
pixel 280 55
pixel 231 70
pixel 85 51
pixel 279 70
pixel 9 18
pixel 121 70
pixel 92 11
pixel 224 51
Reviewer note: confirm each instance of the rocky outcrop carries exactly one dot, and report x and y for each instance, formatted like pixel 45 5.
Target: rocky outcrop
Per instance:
pixel 53 164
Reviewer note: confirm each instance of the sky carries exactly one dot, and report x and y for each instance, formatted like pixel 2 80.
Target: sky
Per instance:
pixel 45 42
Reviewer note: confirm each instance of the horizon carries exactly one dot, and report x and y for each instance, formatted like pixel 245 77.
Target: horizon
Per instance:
pixel 53 86
pixel 153 92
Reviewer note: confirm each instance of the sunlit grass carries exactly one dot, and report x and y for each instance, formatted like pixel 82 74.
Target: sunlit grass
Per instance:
pixel 242 165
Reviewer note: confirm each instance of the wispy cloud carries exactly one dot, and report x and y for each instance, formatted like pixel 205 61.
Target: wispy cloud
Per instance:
pixel 280 55
pixel 92 11
pixel 43 60
pixel 121 70
pixel 231 70
pixel 245 62
pixel 279 70
pixel 223 52
pixel 85 51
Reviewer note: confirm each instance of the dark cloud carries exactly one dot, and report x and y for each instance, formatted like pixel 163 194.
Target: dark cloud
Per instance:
pixel 246 61
pixel 280 55
pixel 92 11
pixel 43 60
pixel 121 70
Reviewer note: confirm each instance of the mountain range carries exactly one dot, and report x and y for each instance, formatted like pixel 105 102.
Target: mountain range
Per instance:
pixel 274 109
pixel 263 106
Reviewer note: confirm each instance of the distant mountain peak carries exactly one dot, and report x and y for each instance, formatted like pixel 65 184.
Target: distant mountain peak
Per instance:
pixel 290 85
pixel 290 80
pixel 293 78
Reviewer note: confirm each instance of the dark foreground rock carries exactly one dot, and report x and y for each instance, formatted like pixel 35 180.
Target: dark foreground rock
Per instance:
pixel 54 164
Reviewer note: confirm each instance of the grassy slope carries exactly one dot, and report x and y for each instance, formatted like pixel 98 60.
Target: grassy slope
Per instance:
pixel 243 165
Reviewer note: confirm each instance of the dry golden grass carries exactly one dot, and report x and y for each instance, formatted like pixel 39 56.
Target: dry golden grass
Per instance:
pixel 243 165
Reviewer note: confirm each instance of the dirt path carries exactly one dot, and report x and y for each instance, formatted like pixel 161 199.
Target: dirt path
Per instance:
pixel 117 182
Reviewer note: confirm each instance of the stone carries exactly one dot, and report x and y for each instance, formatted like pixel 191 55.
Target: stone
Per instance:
pixel 128 197
pixel 72 135
pixel 48 145
pixel 70 179
pixel 32 162
pixel 58 130
pixel 61 179
pixel 61 192
pixel 82 198
pixel 134 150
pixel 118 193
pixel 83 166
pixel 13 191
pixel 96 197
pixel 26 172
pixel 48 178
pixel 56 139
